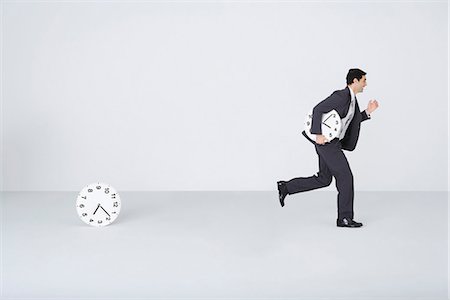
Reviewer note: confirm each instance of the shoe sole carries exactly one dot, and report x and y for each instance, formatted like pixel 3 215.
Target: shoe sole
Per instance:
pixel 279 183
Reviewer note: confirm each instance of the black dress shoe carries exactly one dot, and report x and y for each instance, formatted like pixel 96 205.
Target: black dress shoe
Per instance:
pixel 282 191
pixel 347 222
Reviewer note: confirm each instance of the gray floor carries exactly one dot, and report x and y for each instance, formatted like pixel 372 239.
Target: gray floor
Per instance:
pixel 239 245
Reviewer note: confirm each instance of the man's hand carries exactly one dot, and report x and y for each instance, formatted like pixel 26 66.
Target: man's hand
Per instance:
pixel 372 106
pixel 321 139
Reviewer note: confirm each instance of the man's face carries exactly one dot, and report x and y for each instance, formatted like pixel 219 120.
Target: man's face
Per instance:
pixel 360 84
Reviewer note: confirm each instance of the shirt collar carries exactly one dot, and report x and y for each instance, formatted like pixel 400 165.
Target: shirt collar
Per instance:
pixel 352 94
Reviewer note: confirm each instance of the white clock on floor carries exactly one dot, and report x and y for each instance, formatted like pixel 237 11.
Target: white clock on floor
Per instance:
pixel 98 204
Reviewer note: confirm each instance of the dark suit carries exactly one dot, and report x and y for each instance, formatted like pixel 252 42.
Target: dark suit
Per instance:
pixel 332 161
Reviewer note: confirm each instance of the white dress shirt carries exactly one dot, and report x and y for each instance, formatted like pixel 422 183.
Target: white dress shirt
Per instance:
pixel 348 118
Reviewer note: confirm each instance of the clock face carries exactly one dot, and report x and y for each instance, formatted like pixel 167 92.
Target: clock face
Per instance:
pixel 98 204
pixel 331 125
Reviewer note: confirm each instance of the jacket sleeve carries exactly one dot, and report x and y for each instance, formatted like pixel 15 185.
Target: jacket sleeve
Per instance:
pixel 332 102
pixel 364 116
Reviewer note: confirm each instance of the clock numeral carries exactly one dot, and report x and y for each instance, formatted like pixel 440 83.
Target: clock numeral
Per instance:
pixel 98 187
pixel 100 222
pixel 116 204
pixel 91 220
pixel 106 190
pixel 307 123
pixel 81 205
pixel 84 197
pixel 90 190
pixel 337 122
pixel 113 196
pixel 113 212
pixel 108 219
pixel 84 214
pixel 331 135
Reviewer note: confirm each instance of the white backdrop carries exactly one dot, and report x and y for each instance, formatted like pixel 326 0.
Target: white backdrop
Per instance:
pixel 212 95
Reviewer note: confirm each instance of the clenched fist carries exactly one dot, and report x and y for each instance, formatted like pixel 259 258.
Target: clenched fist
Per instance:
pixel 372 106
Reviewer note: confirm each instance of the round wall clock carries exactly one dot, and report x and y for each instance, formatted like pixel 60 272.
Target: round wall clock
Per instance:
pixel 331 125
pixel 98 204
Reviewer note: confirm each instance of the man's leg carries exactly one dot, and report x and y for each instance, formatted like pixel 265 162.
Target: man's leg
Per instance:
pixel 338 165
pixel 303 184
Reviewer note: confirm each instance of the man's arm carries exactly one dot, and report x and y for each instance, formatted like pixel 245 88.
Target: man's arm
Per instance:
pixel 371 107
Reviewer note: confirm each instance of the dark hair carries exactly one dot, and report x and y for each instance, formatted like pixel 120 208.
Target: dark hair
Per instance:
pixel 354 73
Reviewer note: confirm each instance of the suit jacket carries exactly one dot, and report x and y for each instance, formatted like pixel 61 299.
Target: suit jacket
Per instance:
pixel 340 101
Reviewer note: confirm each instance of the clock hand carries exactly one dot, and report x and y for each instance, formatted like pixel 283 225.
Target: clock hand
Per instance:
pixel 105 211
pixel 97 208
pixel 328 118
pixel 326 125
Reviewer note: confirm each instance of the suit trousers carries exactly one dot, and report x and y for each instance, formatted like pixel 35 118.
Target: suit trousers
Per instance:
pixel 332 163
